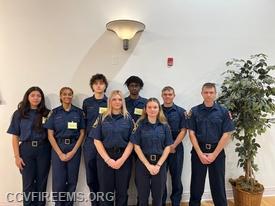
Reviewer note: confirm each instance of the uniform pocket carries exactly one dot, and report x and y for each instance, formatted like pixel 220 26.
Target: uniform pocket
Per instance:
pixel 92 112
pixel 58 123
pixel 200 125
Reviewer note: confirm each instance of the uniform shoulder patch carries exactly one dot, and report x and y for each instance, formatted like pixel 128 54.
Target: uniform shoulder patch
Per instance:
pixel 50 113
pixel 189 114
pixel 230 115
pixel 96 122
pixel 185 115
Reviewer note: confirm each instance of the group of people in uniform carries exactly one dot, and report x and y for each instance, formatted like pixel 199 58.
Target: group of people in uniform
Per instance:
pixel 116 133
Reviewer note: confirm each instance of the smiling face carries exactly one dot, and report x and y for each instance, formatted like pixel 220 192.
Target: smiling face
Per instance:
pixel 34 99
pixel 116 102
pixel 152 109
pixel 168 96
pixel 66 96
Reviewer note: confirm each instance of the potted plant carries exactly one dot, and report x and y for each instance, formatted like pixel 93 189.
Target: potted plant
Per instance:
pixel 248 92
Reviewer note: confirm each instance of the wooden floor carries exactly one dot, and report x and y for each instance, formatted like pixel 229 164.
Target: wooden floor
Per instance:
pixel 266 201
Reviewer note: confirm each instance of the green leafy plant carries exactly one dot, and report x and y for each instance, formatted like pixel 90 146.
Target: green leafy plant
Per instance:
pixel 248 92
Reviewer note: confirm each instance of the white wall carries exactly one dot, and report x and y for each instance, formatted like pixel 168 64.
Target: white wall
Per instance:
pixel 56 43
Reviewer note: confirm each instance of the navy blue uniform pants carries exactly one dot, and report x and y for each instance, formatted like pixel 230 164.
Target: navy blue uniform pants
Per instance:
pixel 135 158
pixel 174 165
pixel 35 172
pixel 114 181
pixel 147 182
pixel 90 153
pixel 216 174
pixel 65 175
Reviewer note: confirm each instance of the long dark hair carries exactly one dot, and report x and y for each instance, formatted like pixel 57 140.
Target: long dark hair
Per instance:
pixel 24 107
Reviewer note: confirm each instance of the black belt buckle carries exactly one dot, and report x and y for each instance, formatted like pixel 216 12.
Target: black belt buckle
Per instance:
pixel 208 146
pixel 67 141
pixel 153 158
pixel 34 143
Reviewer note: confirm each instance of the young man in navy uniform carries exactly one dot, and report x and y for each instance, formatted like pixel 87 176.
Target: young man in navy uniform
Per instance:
pixel 210 126
pixel 134 102
pixel 178 124
pixel 92 107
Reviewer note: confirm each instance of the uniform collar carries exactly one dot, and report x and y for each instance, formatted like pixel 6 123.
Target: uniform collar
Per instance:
pixel 173 107
pixel 214 107
pixel 103 99
pixel 33 110
pixel 146 121
pixel 115 117
pixel 73 108
pixel 139 99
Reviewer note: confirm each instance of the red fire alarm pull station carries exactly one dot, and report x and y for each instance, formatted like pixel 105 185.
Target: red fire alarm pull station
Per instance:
pixel 170 61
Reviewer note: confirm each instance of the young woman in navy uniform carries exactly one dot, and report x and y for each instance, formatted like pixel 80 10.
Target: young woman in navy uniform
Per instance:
pixel 32 150
pixel 152 139
pixel 210 126
pixel 92 107
pixel 66 132
pixel 111 133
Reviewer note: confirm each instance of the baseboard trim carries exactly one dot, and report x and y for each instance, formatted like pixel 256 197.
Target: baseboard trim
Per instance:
pixel 185 197
pixel 229 193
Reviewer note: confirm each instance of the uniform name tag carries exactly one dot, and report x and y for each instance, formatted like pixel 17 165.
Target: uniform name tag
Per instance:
pixel 72 125
pixel 44 119
pixel 102 110
pixel 138 111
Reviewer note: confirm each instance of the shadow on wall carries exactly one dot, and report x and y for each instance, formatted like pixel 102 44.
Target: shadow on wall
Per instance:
pixel 1 99
pixel 106 56
pixel 52 100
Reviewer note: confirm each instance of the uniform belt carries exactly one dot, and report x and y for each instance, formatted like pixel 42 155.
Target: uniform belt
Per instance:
pixel 153 158
pixel 208 147
pixel 66 140
pixel 115 150
pixel 36 143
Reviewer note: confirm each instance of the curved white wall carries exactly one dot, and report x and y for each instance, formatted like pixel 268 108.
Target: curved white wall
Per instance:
pixel 57 43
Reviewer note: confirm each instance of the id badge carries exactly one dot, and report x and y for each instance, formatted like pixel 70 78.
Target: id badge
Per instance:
pixel 102 110
pixel 138 111
pixel 72 125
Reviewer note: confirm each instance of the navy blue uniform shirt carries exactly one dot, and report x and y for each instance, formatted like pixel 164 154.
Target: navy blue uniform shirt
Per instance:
pixel 210 123
pixel 176 119
pixel 92 107
pixel 24 127
pixel 113 131
pixel 152 138
pixel 135 106
pixel 66 124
